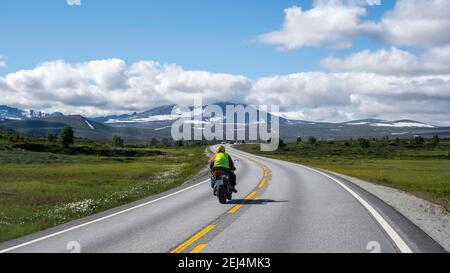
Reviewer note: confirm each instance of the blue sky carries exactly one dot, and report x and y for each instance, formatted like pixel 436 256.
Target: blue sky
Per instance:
pixel 323 60
pixel 218 36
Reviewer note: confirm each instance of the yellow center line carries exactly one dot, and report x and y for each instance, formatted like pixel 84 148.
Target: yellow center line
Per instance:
pixel 237 207
pixel 265 174
pixel 198 248
pixel 257 198
pixel 250 195
pixel 270 182
pixel 263 181
pixel 194 238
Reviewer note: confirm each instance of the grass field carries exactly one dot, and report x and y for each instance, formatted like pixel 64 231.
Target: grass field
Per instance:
pixel 40 189
pixel 422 169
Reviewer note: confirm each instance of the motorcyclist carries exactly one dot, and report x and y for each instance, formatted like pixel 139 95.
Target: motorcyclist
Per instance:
pixel 222 161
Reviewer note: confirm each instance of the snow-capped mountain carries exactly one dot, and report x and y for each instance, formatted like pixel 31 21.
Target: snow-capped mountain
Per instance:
pixel 158 122
pixel 160 115
pixel 163 113
pixel 7 112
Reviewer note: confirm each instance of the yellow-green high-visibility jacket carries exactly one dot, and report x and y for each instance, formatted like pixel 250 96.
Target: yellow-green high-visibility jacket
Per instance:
pixel 221 160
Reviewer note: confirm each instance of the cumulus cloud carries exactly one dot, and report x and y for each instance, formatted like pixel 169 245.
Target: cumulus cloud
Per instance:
pixel 393 62
pixel 344 96
pixel 328 22
pixel 338 22
pixel 73 2
pixel 111 86
pixel 416 23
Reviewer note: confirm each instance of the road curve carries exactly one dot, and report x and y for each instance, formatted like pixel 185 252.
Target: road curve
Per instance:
pixel 280 207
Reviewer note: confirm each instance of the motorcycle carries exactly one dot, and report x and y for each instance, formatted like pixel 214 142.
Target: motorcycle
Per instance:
pixel 220 181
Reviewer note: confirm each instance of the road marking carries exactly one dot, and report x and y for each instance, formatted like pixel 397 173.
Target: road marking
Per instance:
pixel 250 195
pixel 395 237
pixel 234 209
pixel 101 218
pixel 263 181
pixel 194 238
pixel 399 242
pixel 237 207
pixel 270 182
pixel 199 248
pixel 257 198
pixel 111 215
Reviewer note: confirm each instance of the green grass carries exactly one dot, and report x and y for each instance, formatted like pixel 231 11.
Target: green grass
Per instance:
pixel 39 190
pixel 422 170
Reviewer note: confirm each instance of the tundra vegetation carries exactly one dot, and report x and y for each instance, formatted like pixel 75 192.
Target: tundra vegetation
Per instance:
pixel 46 181
pixel 418 165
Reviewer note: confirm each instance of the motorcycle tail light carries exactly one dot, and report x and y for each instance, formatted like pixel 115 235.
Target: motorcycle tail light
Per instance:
pixel 217 173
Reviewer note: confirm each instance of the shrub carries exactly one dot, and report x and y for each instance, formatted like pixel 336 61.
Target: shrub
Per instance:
pixel 118 141
pixel 281 144
pixel 179 143
pixel 419 140
pixel 364 143
pixel 167 142
pixel 51 137
pixel 67 137
pixel 154 142
pixel 312 140
pixel 436 139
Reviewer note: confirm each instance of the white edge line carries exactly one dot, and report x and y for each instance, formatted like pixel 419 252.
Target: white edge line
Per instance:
pixel 395 237
pixel 100 219
pixel 399 242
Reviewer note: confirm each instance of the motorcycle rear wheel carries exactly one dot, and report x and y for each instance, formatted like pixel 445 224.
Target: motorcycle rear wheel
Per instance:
pixel 221 195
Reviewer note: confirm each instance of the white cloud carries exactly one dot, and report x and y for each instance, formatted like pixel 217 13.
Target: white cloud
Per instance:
pixel 328 22
pixel 338 22
pixel 111 86
pixel 74 2
pixel 343 96
pixel 393 62
pixel 416 23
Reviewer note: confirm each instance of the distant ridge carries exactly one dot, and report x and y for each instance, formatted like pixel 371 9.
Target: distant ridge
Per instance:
pixel 156 122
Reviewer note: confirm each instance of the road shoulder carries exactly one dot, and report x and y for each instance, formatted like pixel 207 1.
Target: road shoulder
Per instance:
pixel 427 216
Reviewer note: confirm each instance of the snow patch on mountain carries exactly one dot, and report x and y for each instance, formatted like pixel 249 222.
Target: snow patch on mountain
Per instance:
pixel 402 124
pixel 7 112
pixel 146 119
pixel 162 128
pixel 356 123
pixel 90 125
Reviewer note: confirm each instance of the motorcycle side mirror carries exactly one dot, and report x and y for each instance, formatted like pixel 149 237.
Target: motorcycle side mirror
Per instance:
pixel 236 161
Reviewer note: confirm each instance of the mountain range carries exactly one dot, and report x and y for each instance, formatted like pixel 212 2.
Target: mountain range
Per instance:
pixel 141 127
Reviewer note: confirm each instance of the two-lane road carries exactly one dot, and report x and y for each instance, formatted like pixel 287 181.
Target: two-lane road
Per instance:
pixel 280 207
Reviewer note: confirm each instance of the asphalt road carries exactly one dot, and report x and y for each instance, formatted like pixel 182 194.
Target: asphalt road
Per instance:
pixel 280 207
